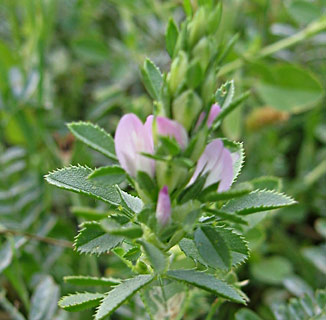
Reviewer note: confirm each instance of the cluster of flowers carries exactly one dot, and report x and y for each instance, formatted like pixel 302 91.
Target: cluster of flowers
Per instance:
pixel 135 141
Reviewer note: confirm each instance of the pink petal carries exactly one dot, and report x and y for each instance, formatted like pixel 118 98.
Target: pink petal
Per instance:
pixel 216 160
pixel 200 120
pixel 131 139
pixel 163 209
pixel 213 113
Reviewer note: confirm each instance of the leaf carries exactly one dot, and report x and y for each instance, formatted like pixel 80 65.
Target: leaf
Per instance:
pixel 147 184
pixel 120 294
pixel 6 255
pixel 131 232
pixel 267 183
pixel 131 203
pixel 89 213
pixel 95 137
pixel 258 201
pixel 187 7
pixel 156 257
pixel 194 74
pixel 303 12
pixel 91 281
pixel 207 282
pixel 237 245
pixel 271 270
pixel 189 248
pixel 289 88
pixel 94 240
pixel 152 79
pixel 224 94
pixel 108 175
pixel 76 179
pixel 171 37
pixel 44 300
pixel 213 248
pixel 80 301
pixel 246 314
pixel 316 255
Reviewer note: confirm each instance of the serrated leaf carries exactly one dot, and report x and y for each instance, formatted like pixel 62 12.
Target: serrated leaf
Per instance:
pixel 108 175
pixel 156 257
pixel 258 201
pixel 213 248
pixel 207 282
pixel 95 137
pixel 224 94
pixel 44 300
pixel 76 179
pixel 152 79
pixel 226 216
pixel 131 203
pixel 80 301
pixel 267 183
pixel 171 37
pixel 91 281
pixel 94 240
pixel 237 245
pixel 120 294
pixel 188 246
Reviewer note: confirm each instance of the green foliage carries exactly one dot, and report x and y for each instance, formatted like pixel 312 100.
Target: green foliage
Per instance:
pixel 152 78
pixel 91 281
pixel 80 301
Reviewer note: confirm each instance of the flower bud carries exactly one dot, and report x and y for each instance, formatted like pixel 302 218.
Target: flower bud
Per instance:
pixel 178 72
pixel 202 52
pixel 197 27
pixel 186 107
pixel 163 209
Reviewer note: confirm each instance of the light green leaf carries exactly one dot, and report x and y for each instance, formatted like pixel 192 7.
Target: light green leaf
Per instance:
pixel 289 88
pixel 194 74
pixel 80 301
pixel 304 12
pixel 44 300
pixel 258 201
pixel 131 203
pixel 317 256
pixel 187 7
pixel 246 314
pixel 76 179
pixel 91 281
pixel 267 183
pixel 5 255
pixel 95 137
pixel 108 175
pixel 94 240
pixel 213 248
pixel 120 294
pixel 89 213
pixel 171 37
pixel 207 282
pixel 156 257
pixel 152 79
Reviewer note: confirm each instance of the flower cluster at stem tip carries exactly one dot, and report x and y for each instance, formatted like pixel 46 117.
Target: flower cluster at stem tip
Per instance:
pixel 138 148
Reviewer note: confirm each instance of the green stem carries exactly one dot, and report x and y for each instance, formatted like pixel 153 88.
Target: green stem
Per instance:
pixel 312 29
pixel 217 303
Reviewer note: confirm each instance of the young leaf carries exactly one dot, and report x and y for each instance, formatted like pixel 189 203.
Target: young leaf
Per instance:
pixel 80 301
pixel 207 282
pixel 224 94
pixel 213 248
pixel 108 175
pixel 171 37
pixel 76 179
pixel 91 281
pixel 152 79
pixel 258 201
pixel 95 137
pixel 94 240
pixel 156 257
pixel 120 294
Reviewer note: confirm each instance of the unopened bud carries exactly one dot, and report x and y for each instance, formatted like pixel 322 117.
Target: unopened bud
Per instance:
pixel 202 52
pixel 197 27
pixel 178 72
pixel 186 107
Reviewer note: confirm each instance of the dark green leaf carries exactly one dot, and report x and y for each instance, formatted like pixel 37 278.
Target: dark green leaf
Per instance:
pixel 213 248
pixel 188 246
pixel 132 232
pixel 95 137
pixel 80 301
pixel 120 294
pixel 108 175
pixel 152 79
pixel 207 282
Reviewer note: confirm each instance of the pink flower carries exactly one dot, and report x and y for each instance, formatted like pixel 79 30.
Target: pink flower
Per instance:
pixel 170 128
pixel 163 208
pixel 216 160
pixel 213 113
pixel 132 137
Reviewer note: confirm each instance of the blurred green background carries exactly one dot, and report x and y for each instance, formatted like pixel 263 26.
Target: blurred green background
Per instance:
pixel 63 61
